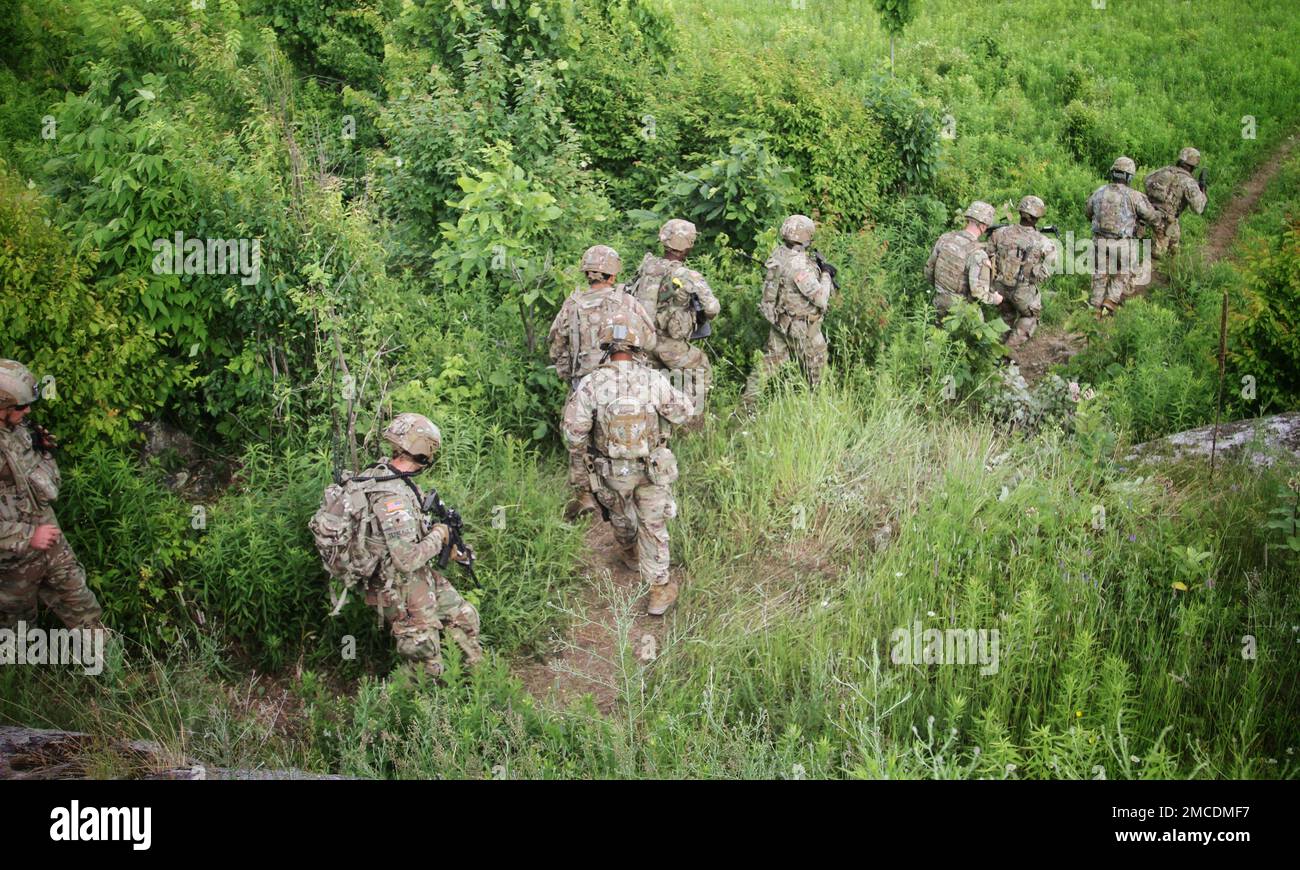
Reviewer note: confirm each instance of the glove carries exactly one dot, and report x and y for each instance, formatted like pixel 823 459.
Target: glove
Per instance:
pixel 42 440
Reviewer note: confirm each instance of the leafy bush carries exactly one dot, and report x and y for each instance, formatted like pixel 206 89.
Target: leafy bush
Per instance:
pixel 1266 339
pixel 105 362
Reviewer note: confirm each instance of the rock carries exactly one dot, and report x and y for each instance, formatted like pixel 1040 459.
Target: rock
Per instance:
pixel 648 649
pixel 1261 442
pixel 35 753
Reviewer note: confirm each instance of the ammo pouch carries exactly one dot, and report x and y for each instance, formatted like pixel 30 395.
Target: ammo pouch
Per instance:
pixel 661 467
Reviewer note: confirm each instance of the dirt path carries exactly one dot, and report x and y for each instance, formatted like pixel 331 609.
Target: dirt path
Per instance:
pixel 586 660
pixel 1051 346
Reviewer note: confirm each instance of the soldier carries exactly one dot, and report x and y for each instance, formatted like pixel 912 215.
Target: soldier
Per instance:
pixel 573 343
pixel 1170 190
pixel 618 420
pixel 35 559
pixel 959 267
pixel 1116 210
pixel 796 293
pixel 1022 259
pixel 681 303
pixel 416 600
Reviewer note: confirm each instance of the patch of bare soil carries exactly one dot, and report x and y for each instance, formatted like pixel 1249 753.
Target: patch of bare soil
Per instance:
pixel 1051 346
pixel 586 657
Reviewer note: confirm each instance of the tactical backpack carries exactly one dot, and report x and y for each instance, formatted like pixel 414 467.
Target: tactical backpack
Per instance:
pixel 950 272
pixel 1115 214
pixel 350 548
pixel 1162 188
pixel 647 285
pixel 674 317
pixel 629 426
pixel 1016 255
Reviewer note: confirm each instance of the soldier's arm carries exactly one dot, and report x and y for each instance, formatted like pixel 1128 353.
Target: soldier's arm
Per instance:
pixel 709 303
pixel 980 273
pixel 1089 206
pixel 672 404
pixel 1195 196
pixel 815 286
pixel 399 521
pixel 15 538
pixel 1146 212
pixel 558 342
pixel 578 414
pixel 929 264
pixel 1051 257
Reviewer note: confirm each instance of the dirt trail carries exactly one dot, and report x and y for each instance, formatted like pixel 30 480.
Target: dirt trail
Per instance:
pixel 1051 346
pixel 586 656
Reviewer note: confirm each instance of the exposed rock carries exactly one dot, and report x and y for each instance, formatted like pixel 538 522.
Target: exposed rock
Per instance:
pixel 1261 442
pixel 34 753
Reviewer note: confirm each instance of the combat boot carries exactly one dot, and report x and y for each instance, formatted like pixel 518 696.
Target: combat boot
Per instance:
pixel 628 559
pixel 580 505
pixel 661 598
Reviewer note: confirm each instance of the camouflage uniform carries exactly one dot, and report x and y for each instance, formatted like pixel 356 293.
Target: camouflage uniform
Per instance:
pixel 1116 210
pixel 574 349
pixel 664 286
pixel 619 411
pixel 416 600
pixel 649 275
pixel 29 485
pixel 1171 189
pixel 1022 259
pixel 675 322
pixel 795 296
pixel 959 268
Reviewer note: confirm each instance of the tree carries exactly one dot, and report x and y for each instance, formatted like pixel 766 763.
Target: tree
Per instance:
pixel 895 15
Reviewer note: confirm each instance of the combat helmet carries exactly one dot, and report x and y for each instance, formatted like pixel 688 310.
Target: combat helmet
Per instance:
pixel 1124 165
pixel 677 235
pixel 798 228
pixel 982 212
pixel 1032 206
pixel 1190 156
pixel 602 259
pixel 619 333
pixel 17 384
pixel 414 434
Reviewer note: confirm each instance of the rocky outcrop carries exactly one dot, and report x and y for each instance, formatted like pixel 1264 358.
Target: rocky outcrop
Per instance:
pixel 1261 442
pixel 34 753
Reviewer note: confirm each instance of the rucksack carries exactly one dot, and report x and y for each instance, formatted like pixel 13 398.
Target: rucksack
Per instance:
pixel 1016 255
pixel 674 317
pixel 1162 188
pixel 630 427
pixel 350 548
pixel 950 266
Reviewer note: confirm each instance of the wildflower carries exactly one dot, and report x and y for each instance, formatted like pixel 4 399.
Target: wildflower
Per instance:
pixel 929 613
pixel 1078 714
pixel 1135 759
pixel 1132 539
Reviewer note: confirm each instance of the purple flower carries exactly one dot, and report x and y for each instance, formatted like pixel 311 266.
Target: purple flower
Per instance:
pixel 1132 539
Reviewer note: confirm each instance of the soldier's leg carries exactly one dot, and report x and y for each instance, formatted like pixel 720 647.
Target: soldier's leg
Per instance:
pixel 813 352
pixel 696 375
pixel 655 507
pixel 1027 306
pixel 64 588
pixel 582 501
pixel 777 352
pixel 1174 236
pixel 623 520
pixel 411 611
pixel 460 619
pixel 1099 281
pixel 1160 238
pixel 19 585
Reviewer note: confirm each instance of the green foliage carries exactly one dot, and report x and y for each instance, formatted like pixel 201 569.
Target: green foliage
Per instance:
pixel 335 39
pixel 105 361
pixel 1266 338
pixel 895 14
pixel 737 195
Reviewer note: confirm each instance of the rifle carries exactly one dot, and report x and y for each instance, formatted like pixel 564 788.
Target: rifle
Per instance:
pixel 1050 230
pixel 826 267
pixel 703 329
pixel 451 518
pixel 42 441
pixel 1200 179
